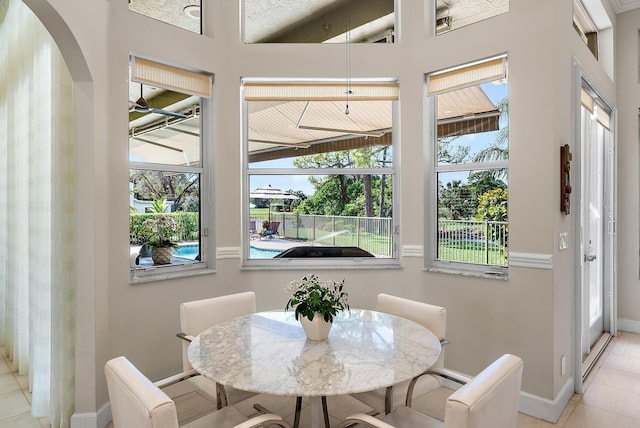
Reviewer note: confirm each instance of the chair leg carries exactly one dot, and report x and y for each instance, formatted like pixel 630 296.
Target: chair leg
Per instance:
pixel 261 409
pixel 296 419
pixel 325 412
pixel 221 396
pixel 388 397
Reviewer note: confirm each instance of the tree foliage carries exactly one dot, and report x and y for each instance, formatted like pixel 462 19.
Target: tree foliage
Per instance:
pixel 182 190
pixel 348 194
pixel 492 205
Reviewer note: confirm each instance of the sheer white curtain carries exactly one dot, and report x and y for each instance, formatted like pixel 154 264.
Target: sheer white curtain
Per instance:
pixel 37 274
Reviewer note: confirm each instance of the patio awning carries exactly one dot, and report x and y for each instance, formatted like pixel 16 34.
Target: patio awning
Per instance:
pixel 281 129
pixel 466 111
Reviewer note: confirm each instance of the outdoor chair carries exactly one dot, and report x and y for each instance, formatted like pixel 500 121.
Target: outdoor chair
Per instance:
pixel 272 230
pixel 198 315
pixel 137 402
pixel 489 400
pixel 430 316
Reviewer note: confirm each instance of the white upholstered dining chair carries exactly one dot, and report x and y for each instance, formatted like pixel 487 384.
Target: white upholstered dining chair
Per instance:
pixel 489 400
pixel 430 316
pixel 138 402
pixel 195 317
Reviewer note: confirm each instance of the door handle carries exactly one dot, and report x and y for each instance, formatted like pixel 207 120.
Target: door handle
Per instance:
pixel 589 258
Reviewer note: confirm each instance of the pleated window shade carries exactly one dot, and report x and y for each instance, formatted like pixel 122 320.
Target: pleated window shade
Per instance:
pixel 168 77
pixel 316 91
pixel 601 115
pixel 463 77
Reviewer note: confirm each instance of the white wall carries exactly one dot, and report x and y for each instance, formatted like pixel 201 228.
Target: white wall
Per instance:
pixel 627 80
pixel 529 315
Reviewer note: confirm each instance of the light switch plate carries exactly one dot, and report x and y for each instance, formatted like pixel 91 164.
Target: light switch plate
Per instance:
pixel 563 241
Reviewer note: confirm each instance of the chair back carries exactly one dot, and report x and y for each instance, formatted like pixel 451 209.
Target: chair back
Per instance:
pixel 198 315
pixel 430 316
pixel 135 400
pixel 273 227
pixel 490 399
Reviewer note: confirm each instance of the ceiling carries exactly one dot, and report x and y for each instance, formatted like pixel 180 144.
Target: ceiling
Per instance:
pixel 620 6
pixel 275 20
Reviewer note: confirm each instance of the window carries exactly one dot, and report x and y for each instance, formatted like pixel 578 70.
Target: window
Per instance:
pixel 470 171
pixel 186 15
pixel 319 172
pixel 168 169
pixel 585 27
pixel 453 14
pixel 319 21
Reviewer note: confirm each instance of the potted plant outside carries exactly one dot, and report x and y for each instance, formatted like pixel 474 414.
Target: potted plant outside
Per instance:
pixel 160 230
pixel 316 303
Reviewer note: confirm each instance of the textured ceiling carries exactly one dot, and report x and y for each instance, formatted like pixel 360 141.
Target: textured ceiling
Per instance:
pixel 620 6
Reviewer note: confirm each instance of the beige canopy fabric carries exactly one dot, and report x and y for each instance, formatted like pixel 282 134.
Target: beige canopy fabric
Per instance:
pixel 466 111
pixel 280 129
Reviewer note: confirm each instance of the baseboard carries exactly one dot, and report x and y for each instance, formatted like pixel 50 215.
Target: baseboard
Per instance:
pixel 630 326
pixel 548 410
pixel 92 420
pixel 538 407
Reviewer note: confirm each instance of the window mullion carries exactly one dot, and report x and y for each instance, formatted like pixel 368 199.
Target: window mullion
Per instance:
pixel 162 167
pixel 474 166
pixel 321 171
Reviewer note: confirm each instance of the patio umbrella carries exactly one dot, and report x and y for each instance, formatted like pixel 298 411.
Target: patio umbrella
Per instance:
pixel 269 192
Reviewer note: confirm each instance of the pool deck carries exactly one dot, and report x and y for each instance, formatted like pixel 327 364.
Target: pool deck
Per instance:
pixel 276 244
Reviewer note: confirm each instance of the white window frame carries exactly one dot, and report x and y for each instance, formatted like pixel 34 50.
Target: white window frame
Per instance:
pixel 322 262
pixel 431 263
pixel 206 264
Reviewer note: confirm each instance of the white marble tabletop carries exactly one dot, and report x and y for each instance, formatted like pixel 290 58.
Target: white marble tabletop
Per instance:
pixel 268 352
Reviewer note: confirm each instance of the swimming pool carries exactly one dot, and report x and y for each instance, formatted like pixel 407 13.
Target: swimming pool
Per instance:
pixel 190 251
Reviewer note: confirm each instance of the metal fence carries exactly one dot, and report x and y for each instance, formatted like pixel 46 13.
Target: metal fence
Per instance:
pixel 478 242
pixel 373 234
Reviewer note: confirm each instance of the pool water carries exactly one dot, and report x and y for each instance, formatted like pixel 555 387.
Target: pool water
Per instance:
pixel 187 251
pixel 191 251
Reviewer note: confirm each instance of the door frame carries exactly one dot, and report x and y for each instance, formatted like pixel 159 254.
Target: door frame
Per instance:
pixel 609 265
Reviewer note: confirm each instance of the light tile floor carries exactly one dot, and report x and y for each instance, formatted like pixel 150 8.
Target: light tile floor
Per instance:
pixel 611 397
pixel 15 399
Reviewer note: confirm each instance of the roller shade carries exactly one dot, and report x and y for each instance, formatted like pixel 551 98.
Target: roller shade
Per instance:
pixel 168 77
pixel 471 75
pixel 601 113
pixel 305 91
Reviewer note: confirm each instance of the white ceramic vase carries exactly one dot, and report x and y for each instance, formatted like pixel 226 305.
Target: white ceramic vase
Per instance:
pixel 318 329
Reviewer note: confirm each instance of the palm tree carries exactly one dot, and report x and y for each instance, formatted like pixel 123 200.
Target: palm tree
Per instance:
pixel 498 150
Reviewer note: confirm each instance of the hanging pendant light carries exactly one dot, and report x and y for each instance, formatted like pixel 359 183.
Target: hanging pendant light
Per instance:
pixel 348 61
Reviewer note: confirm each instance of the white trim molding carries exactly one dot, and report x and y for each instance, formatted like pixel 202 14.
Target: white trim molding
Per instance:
pixel 100 419
pixel 630 326
pixel 228 253
pixel 412 251
pixel 530 260
pixel 548 410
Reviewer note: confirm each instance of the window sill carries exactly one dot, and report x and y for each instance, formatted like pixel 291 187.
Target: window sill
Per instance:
pixel 325 264
pixel 501 276
pixel 162 276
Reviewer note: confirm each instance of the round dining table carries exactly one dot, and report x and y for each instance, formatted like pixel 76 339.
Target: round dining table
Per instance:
pixel 268 352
